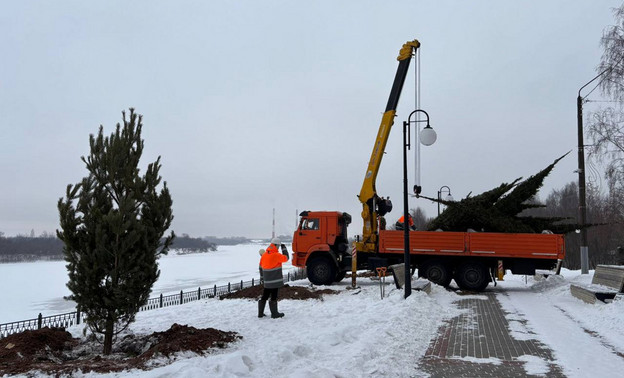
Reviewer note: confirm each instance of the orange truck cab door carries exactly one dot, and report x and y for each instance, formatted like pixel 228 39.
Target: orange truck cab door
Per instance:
pixel 309 233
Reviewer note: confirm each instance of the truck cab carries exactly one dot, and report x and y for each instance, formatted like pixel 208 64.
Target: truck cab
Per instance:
pixel 320 244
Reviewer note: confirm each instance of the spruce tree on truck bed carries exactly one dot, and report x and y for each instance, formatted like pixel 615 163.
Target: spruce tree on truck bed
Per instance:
pixel 113 222
pixel 500 209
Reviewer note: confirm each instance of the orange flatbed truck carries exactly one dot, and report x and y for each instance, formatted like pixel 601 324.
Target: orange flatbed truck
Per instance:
pixel 321 246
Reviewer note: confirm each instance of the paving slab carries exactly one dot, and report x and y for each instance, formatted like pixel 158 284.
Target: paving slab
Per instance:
pixel 478 343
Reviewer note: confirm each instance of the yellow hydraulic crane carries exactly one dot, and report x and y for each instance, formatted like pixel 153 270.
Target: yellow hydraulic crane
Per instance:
pixel 374 206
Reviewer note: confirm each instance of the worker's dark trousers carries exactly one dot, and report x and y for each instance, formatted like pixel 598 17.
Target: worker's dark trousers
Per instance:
pixel 269 292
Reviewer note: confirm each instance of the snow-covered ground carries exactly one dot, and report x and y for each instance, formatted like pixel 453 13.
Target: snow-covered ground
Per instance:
pixel 358 334
pixel 587 340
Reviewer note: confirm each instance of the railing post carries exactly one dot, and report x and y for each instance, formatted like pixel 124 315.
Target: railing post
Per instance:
pixel 288 276
pixel 215 291
pixel 199 293
pixel 77 314
pixel 161 300
pixel 252 283
pixel 181 297
pixel 229 288
pixel 39 320
pixel 241 286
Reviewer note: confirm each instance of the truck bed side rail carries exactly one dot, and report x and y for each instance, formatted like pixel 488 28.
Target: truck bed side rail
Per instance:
pixel 535 246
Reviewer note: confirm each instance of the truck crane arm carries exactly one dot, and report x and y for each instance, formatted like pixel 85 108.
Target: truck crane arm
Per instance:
pixel 374 206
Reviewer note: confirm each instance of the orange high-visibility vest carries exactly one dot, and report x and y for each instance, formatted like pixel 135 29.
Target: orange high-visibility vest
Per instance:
pixel 402 220
pixel 271 263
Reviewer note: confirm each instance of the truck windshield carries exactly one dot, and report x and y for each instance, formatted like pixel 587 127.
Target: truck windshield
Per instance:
pixel 310 224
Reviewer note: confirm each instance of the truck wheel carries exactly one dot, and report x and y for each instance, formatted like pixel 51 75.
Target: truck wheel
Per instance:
pixel 436 272
pixel 340 276
pixel 472 276
pixel 321 271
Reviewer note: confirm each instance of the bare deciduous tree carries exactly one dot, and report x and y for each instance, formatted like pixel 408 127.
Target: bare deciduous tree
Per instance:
pixel 606 126
pixel 607 134
pixel 612 61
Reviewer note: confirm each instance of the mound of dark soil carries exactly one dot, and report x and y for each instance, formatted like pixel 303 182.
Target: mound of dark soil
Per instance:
pixel 46 344
pixel 180 338
pixel 54 351
pixel 286 292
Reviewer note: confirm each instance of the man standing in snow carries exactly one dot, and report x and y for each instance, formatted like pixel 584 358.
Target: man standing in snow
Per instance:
pixel 271 264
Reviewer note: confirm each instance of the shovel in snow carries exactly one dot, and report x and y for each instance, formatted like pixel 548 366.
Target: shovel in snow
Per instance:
pixel 381 272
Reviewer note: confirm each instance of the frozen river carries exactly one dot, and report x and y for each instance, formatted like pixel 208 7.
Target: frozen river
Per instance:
pixel 30 288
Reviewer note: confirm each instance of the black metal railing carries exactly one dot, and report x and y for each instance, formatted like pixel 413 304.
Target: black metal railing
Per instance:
pixel 73 318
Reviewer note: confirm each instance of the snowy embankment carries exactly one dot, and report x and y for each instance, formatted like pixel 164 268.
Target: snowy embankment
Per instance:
pixel 352 334
pixel 357 334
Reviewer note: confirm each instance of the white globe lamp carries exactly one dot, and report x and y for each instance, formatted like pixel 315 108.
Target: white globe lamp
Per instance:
pixel 428 136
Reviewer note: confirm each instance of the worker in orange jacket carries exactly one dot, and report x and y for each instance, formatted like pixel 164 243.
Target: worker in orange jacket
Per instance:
pixel 400 224
pixel 271 265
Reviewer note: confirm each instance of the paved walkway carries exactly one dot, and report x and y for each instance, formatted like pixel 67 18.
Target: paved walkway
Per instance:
pixel 464 344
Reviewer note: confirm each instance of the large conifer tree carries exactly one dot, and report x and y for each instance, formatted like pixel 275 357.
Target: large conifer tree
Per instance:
pixel 113 223
pixel 499 209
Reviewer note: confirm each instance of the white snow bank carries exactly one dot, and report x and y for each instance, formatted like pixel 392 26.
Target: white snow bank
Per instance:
pixel 354 333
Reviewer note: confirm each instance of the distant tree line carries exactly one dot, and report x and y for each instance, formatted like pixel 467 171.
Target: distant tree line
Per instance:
pixel 235 240
pixel 187 244
pixel 286 238
pixel 231 240
pixel 49 247
pixel 30 248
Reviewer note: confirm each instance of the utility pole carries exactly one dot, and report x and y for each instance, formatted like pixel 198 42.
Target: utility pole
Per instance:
pixel 273 233
pixel 581 173
pixel 582 194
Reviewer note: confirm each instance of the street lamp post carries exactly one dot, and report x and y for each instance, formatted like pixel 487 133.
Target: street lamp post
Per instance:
pixel 427 137
pixel 448 197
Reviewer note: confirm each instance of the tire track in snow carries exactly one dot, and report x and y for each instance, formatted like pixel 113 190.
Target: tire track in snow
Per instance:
pixel 593 334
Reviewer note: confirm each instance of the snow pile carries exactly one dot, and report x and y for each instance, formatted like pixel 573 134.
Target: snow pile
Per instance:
pixel 353 333
pixel 534 365
pixel 552 282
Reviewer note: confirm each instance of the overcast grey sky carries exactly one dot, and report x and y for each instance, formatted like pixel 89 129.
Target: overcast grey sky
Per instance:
pixel 255 105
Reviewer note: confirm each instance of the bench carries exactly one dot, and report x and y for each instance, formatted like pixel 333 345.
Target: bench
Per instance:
pixel 607 283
